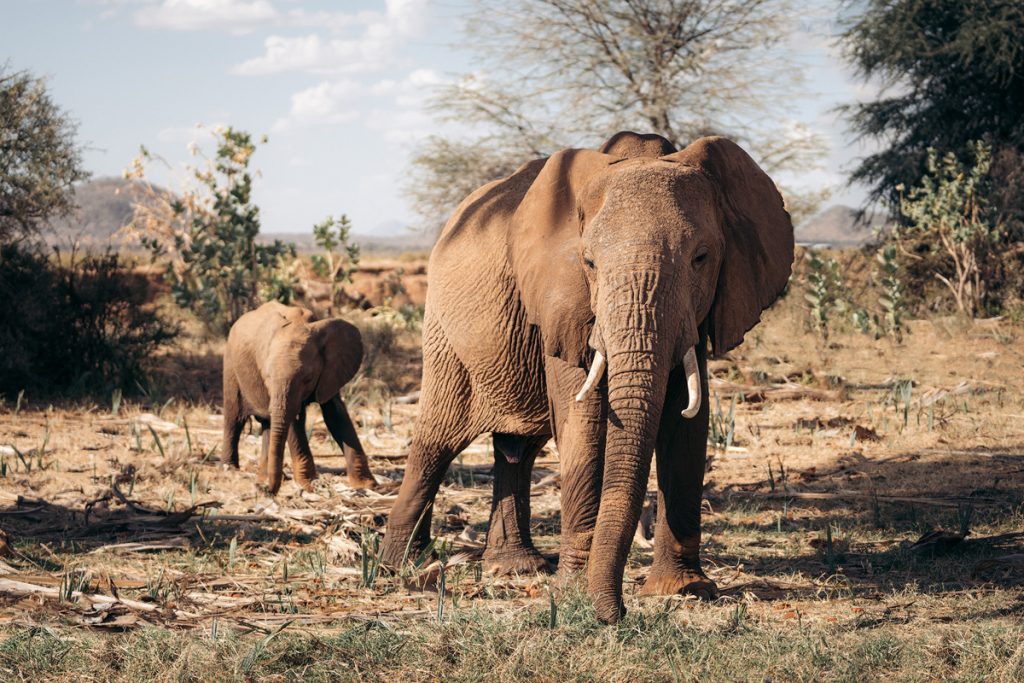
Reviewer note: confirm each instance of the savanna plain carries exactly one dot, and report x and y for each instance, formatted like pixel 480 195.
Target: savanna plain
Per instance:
pixel 863 517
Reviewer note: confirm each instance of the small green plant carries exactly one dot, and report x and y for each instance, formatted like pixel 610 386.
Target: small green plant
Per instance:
pixel 369 547
pixel 862 321
pixel 722 426
pixel 824 286
pixel 441 590
pixel 193 486
pixel 892 300
pixel 156 441
pixel 71 582
pixel 340 257
pixel 736 620
pixel 901 396
pixel 232 552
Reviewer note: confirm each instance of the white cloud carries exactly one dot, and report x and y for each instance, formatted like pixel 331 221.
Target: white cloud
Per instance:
pixel 235 16
pixel 412 91
pixel 197 134
pixel 400 127
pixel 314 55
pixel 392 108
pixel 373 50
pixel 326 103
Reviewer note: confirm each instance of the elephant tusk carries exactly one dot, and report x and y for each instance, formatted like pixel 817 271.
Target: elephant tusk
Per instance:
pixel 692 383
pixel 596 371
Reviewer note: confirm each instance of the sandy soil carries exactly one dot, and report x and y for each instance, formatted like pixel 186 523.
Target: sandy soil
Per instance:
pixel 841 456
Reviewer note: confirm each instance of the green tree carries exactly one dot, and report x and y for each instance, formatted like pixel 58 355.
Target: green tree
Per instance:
pixel 208 236
pixel 39 160
pixel 952 72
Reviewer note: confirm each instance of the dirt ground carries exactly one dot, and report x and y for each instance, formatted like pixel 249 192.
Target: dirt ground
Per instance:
pixel 843 479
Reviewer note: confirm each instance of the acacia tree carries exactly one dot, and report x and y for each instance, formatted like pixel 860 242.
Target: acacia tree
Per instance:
pixel 39 160
pixel 563 73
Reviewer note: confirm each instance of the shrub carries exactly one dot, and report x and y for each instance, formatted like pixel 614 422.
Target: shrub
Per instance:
pixel 824 285
pixel 215 266
pixel 331 234
pixel 892 300
pixel 953 233
pixel 75 325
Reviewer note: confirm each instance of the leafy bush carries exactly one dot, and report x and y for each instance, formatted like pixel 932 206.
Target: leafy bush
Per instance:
pixel 953 233
pixel 68 326
pixel 215 266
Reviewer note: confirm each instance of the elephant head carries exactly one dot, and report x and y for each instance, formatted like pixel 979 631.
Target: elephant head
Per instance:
pixel 306 362
pixel 670 251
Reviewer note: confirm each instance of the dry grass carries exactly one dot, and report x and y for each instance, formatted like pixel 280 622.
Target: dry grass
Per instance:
pixel 132 556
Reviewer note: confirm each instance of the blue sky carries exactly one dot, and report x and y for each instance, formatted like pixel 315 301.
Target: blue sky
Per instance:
pixel 338 87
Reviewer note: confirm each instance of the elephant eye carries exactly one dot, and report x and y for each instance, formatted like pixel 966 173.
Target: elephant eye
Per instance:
pixel 589 263
pixel 701 256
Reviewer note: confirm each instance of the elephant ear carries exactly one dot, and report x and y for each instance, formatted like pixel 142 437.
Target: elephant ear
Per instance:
pixel 758 234
pixel 631 145
pixel 341 352
pixel 544 251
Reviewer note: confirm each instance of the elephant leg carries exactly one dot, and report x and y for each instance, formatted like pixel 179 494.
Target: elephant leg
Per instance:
pixel 340 425
pixel 261 469
pixel 443 430
pixel 234 420
pixel 509 546
pixel 681 454
pixel 303 467
pixel 579 429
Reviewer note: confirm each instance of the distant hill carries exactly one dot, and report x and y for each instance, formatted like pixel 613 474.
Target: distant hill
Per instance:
pixel 105 205
pixel 379 244
pixel 838 226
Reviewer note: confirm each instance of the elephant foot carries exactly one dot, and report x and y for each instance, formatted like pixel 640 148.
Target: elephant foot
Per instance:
pixel 521 561
pixel 686 582
pixel 393 553
pixel 305 483
pixel 358 481
pixel 572 564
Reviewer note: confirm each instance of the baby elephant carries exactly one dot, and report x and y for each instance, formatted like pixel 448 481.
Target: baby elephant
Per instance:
pixel 277 361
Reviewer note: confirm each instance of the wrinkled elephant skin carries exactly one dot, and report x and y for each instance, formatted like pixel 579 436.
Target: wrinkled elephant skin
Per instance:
pixel 580 298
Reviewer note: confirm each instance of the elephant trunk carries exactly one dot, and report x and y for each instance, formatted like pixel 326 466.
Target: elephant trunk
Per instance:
pixel 642 336
pixel 282 416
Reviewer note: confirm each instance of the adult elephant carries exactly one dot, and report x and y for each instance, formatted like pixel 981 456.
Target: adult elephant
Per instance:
pixel 630 261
